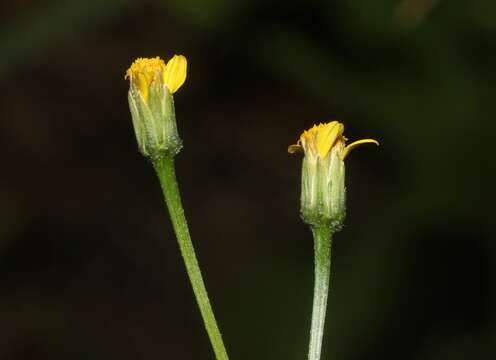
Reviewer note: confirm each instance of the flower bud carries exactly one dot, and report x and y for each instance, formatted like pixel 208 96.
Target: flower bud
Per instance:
pixel 323 195
pixel 152 83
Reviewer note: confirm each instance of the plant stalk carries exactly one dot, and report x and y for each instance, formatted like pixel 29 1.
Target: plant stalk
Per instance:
pixel 322 249
pixel 164 167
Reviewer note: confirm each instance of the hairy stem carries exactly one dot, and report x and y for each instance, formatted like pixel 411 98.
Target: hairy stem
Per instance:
pixel 167 175
pixel 322 249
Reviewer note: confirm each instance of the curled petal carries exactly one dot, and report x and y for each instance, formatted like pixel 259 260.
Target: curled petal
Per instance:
pixel 294 148
pixel 354 144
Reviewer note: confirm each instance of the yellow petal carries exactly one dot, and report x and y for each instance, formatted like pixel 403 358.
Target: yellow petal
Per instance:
pixel 142 82
pixel 294 148
pixel 175 73
pixel 354 144
pixel 326 137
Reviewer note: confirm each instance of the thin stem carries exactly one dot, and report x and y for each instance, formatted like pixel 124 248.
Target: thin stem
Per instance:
pixel 322 249
pixel 167 176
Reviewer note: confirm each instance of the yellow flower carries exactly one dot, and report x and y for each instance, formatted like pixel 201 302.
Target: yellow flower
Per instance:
pixel 146 73
pixel 318 141
pixel 152 83
pixel 323 192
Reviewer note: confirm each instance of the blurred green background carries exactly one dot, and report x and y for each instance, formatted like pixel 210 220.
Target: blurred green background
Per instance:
pixel 89 266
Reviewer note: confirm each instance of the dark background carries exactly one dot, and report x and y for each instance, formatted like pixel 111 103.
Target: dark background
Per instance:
pixel 89 266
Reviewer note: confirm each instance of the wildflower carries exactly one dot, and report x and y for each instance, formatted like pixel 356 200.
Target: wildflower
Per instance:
pixel 152 83
pixel 323 196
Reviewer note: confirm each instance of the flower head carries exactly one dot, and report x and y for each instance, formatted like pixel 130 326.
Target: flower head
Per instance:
pixel 323 190
pixel 318 141
pixel 151 85
pixel 146 73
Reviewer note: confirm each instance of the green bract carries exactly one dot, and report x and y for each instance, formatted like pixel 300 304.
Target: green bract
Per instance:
pixel 154 121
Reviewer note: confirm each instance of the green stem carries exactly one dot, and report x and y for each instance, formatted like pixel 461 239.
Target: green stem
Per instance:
pixel 322 249
pixel 167 176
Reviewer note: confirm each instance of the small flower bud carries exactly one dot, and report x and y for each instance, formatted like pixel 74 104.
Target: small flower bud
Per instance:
pixel 152 83
pixel 323 195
